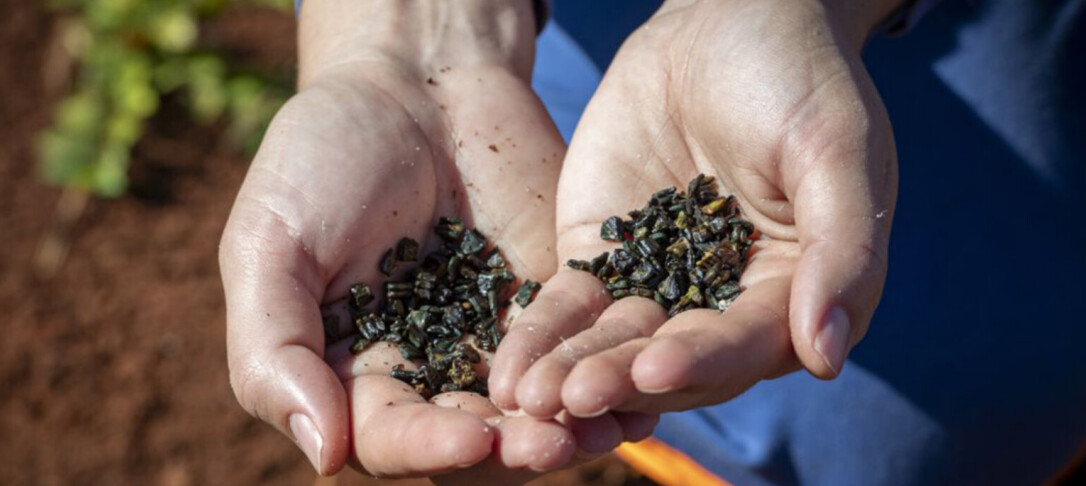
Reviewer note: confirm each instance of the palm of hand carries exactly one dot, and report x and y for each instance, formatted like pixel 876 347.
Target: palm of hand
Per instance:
pixel 349 166
pixel 801 139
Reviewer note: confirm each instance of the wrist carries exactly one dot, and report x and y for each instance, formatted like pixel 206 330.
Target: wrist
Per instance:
pixel 856 20
pixel 852 21
pixel 419 37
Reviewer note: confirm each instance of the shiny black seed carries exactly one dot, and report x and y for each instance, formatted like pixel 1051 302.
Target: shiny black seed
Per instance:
pixel 597 263
pixel 495 260
pixel 388 263
pixel 612 230
pixel 672 287
pixel 453 317
pixel 359 344
pixel 648 248
pixel 411 351
pixel 623 261
pixel 416 337
pixel 645 272
pixel 406 376
pixel 578 265
pixel 450 229
pixel 469 353
pixel 407 250
pixel 684 250
pixel 360 296
pixel 527 292
pixel 439 331
pixel 418 318
pixel 727 291
pixel 472 243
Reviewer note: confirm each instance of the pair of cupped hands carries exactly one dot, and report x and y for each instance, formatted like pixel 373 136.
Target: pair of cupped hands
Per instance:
pixel 411 111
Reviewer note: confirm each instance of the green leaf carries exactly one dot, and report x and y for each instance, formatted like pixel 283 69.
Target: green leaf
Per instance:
pixel 66 160
pixel 80 114
pixel 174 30
pixel 111 171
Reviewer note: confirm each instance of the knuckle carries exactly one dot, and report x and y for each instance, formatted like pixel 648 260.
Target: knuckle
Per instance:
pixel 247 381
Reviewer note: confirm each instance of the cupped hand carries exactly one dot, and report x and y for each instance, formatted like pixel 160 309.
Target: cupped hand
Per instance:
pixel 772 99
pixel 406 122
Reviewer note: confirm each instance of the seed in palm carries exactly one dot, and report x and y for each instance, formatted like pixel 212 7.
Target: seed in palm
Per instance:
pixel 683 250
pixel 456 291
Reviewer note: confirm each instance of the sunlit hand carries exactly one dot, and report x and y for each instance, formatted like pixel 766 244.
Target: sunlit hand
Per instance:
pixel 422 111
pixel 772 99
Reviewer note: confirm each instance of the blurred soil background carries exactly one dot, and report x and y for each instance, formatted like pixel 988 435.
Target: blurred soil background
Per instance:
pixel 113 370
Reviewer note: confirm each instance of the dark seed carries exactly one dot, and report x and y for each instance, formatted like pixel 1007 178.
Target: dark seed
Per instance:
pixel 495 260
pixel 469 353
pixel 359 344
pixel 597 263
pixel 403 375
pixel 360 296
pixel 450 229
pixel 410 351
pixel 612 229
pixel 578 265
pixel 683 250
pixel 527 292
pixel 672 286
pixel 388 263
pixel 472 243
pixel 407 250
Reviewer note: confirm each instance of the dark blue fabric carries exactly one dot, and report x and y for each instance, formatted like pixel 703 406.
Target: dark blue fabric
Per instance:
pixel 974 370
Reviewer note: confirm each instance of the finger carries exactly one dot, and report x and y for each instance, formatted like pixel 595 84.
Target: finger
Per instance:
pixel 843 206
pixel 536 445
pixel 636 426
pixel 275 341
pixel 711 356
pixel 602 382
pixel 509 166
pixel 525 448
pixel 540 391
pixel 696 358
pixel 596 435
pixel 472 403
pixel 397 434
pixel 377 359
pixel 569 303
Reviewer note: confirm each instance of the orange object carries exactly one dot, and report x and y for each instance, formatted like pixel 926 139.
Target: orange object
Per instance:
pixel 666 465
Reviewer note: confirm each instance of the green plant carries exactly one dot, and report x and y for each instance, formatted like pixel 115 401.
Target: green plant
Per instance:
pixel 131 53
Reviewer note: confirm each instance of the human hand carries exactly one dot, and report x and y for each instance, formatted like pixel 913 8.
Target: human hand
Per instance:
pixel 772 98
pixel 407 112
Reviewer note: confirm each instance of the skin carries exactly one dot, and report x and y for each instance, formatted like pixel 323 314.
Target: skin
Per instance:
pixel 398 107
pixel 406 112
pixel 772 99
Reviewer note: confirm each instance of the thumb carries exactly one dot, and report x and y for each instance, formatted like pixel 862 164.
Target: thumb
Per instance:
pixel 275 342
pixel 844 205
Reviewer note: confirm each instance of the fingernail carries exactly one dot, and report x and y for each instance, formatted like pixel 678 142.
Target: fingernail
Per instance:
pixel 307 438
pixel 831 342
pixel 593 414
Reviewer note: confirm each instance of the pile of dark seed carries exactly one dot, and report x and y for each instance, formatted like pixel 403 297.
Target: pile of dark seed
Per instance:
pixel 457 291
pixel 684 250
